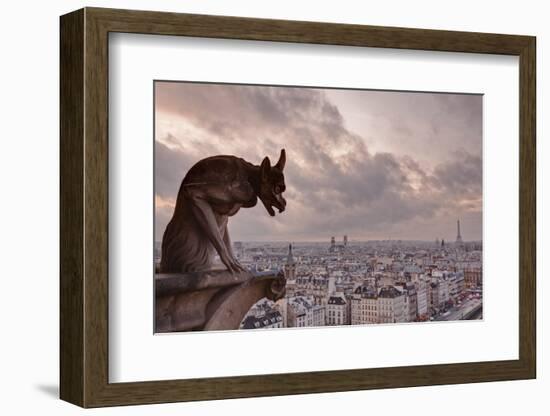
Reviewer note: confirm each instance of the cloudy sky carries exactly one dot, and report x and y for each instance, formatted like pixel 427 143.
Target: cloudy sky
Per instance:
pixel 369 164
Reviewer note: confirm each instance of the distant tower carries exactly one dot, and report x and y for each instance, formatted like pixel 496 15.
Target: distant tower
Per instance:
pixel 345 241
pixel 458 236
pixel 239 249
pixel 332 243
pixel 442 242
pixel 331 285
pixel 290 265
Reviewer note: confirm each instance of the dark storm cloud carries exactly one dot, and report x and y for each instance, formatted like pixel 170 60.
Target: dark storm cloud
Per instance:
pixel 335 184
pixel 463 175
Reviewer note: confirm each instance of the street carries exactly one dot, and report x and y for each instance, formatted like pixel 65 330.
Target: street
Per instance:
pixel 459 312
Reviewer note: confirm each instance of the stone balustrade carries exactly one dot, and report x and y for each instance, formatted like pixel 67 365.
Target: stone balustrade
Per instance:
pixel 211 300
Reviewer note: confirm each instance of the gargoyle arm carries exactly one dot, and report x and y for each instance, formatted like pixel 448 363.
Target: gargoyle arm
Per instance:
pixel 201 204
pixel 227 242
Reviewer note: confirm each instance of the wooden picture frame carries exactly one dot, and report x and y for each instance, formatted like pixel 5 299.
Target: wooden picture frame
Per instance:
pixel 84 207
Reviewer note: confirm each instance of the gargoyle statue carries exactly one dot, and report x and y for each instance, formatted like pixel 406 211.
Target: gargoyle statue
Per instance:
pixel 213 190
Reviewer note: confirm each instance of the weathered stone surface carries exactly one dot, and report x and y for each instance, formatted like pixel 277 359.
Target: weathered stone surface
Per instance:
pixel 212 300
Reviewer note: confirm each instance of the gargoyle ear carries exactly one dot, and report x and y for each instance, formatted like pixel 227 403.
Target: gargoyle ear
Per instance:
pixel 282 160
pixel 265 167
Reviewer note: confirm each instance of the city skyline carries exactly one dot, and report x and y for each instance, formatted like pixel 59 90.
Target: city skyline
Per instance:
pixel 375 165
pixel 350 240
pixel 341 283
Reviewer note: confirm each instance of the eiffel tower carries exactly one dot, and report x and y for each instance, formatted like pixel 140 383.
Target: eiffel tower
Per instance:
pixel 458 236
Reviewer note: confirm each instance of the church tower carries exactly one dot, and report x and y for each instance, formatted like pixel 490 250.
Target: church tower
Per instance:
pixel 290 265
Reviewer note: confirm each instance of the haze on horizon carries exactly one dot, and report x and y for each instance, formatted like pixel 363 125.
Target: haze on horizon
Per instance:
pixel 375 165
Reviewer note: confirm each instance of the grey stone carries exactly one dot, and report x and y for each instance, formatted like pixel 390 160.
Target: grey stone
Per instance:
pixel 211 300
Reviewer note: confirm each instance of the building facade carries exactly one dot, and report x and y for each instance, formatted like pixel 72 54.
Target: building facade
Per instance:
pixel 473 277
pixel 391 305
pixel 337 310
pixel 303 312
pixel 364 306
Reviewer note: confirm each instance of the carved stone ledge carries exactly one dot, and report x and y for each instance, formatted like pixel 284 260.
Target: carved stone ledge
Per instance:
pixel 211 300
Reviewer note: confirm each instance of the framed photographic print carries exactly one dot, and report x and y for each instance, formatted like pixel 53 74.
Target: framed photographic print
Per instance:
pixel 255 207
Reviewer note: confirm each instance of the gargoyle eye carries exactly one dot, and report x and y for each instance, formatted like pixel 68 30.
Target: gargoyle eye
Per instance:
pixel 279 189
